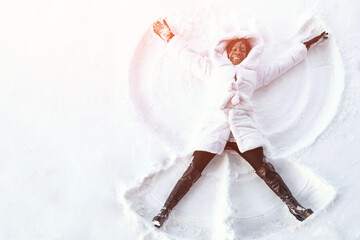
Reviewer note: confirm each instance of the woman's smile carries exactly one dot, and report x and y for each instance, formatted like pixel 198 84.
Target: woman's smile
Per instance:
pixel 238 52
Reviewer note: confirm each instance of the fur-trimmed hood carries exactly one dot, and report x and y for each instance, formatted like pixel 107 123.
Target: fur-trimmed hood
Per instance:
pixel 219 56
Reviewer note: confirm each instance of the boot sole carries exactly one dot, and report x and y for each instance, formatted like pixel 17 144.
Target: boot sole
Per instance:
pixel 156 223
pixel 302 218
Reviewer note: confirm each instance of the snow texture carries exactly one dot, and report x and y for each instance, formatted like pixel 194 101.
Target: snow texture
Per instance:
pixel 73 150
pixel 238 205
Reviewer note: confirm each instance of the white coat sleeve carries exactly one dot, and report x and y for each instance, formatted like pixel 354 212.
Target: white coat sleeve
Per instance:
pixel 199 65
pixel 267 73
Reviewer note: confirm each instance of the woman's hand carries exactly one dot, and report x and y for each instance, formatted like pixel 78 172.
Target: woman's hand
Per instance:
pixel 162 29
pixel 318 39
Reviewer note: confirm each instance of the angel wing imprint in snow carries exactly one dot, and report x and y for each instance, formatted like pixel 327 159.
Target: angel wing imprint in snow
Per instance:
pixel 229 195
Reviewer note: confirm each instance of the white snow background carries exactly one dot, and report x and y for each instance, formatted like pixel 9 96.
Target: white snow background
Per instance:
pixel 68 136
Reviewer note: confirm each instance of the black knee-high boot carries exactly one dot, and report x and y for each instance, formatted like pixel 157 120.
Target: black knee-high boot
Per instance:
pixel 190 176
pixel 276 183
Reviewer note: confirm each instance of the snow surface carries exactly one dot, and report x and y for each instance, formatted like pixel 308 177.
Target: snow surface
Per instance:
pixel 71 142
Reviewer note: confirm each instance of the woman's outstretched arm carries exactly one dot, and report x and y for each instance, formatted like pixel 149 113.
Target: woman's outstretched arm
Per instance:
pixel 199 65
pixel 286 61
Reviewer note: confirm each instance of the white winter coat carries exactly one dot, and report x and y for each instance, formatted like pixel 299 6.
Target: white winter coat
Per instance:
pixel 218 73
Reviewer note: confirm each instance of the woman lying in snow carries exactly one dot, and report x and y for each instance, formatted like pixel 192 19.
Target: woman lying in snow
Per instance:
pixel 231 75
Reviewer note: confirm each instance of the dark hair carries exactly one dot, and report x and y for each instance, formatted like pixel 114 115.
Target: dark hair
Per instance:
pixel 232 43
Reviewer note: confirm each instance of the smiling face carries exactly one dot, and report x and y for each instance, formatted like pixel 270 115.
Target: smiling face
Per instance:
pixel 238 50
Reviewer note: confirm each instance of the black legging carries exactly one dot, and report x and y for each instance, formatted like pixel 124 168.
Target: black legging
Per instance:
pixel 255 156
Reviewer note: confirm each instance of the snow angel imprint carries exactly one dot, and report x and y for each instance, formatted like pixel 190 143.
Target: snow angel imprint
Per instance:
pixel 231 75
